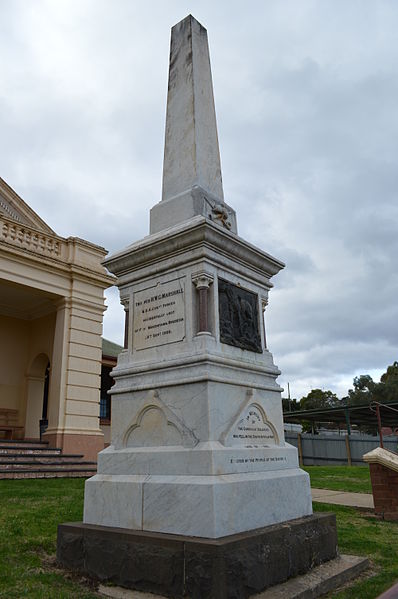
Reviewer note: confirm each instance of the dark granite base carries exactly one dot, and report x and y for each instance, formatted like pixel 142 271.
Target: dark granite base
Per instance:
pixel 232 567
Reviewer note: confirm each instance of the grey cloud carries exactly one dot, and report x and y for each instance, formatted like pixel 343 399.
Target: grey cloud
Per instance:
pixel 306 97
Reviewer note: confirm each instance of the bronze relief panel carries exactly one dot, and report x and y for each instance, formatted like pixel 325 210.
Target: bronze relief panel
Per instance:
pixel 238 310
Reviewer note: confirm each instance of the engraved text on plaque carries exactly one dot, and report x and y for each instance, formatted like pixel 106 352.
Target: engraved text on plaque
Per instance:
pixel 159 315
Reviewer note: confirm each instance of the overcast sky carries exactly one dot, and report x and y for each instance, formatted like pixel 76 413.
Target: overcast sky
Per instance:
pixel 306 96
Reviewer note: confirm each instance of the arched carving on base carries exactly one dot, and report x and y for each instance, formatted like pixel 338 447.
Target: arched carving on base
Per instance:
pixel 250 427
pixel 157 426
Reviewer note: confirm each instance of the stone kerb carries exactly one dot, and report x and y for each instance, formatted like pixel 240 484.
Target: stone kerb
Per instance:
pixel 383 465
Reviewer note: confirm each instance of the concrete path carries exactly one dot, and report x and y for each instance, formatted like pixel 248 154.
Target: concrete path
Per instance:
pixel 361 500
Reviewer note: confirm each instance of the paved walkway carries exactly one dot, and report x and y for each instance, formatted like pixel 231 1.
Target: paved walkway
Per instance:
pixel 362 500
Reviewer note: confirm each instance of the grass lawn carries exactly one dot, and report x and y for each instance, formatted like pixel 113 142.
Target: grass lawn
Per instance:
pixel 31 509
pixel 363 534
pixel 340 478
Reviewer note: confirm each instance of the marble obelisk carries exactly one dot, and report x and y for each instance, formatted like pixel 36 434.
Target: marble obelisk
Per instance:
pixel 197 434
pixel 192 181
pixel 198 467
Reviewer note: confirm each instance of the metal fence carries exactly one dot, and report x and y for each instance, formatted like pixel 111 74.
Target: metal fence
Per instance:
pixel 323 450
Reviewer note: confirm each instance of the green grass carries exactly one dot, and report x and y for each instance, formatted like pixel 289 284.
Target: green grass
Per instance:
pixel 363 534
pixel 355 479
pixel 30 511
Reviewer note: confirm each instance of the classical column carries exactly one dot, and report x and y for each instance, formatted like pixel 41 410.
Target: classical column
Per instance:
pixel 202 282
pixel 59 366
pixel 264 304
pixel 34 405
pixel 126 328
pixel 125 304
pixel 74 394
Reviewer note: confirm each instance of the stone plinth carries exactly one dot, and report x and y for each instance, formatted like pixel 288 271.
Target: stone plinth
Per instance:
pixel 181 566
pixel 197 431
pixel 383 465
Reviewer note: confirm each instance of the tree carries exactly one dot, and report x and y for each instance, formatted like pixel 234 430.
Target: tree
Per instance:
pixel 388 386
pixel 390 377
pixel 366 390
pixel 363 392
pixel 317 398
pixel 290 405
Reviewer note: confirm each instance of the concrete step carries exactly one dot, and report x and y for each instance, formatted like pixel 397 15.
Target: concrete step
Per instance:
pixel 48 474
pixel 317 582
pixel 322 579
pixel 50 467
pixel 15 443
pixel 27 441
pixel 57 464
pixel 32 459
pixel 40 458
pixel 29 451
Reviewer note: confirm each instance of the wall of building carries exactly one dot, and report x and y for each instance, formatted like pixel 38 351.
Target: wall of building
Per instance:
pixel 25 349
pixel 14 351
pixel 41 340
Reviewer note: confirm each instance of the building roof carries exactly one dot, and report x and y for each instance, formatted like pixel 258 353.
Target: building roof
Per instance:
pixel 110 349
pixel 357 414
pixel 13 206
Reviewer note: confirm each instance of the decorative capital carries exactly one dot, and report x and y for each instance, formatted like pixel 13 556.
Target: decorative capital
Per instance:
pixel 202 280
pixel 125 302
pixel 264 303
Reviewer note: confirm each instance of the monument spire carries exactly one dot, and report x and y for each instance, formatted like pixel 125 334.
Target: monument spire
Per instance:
pixel 191 152
pixel 192 182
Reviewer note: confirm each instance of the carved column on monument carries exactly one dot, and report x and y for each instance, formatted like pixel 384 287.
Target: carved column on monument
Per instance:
pixel 125 303
pixel 202 282
pixel 264 304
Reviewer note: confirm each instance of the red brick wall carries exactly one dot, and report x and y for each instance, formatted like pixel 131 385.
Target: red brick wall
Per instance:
pixel 385 491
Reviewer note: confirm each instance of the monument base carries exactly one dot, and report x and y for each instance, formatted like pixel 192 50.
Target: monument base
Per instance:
pixel 177 566
pixel 197 506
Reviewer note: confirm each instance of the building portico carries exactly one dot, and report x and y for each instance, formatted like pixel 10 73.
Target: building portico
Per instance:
pixel 51 311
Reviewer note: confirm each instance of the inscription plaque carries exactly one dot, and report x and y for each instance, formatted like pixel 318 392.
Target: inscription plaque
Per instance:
pixel 251 428
pixel 159 315
pixel 238 310
pixel 258 460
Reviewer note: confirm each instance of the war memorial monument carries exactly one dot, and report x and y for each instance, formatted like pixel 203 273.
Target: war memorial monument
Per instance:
pixel 198 494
